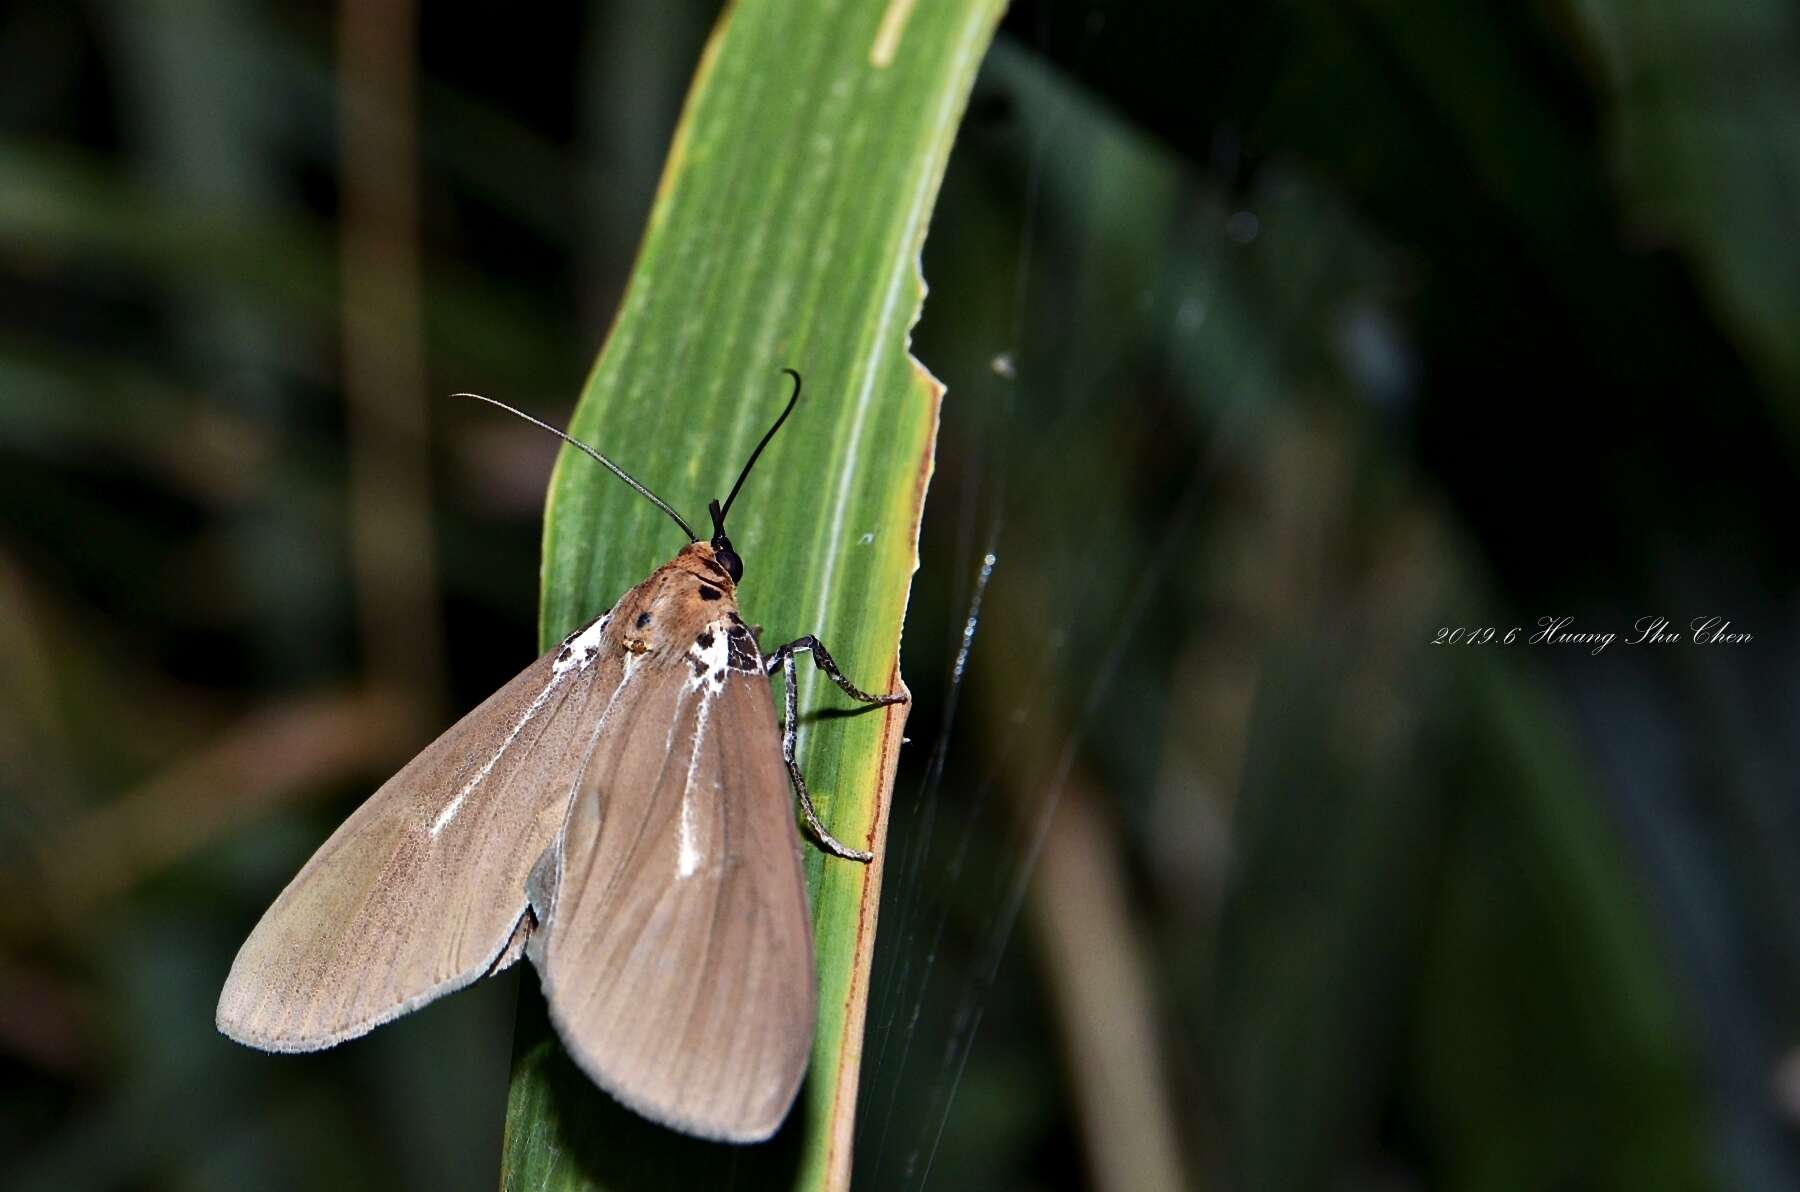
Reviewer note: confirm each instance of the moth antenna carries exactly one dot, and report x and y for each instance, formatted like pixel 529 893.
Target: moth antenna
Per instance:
pixel 608 464
pixel 719 514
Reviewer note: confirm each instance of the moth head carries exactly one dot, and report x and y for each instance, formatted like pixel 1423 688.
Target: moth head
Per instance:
pixel 723 555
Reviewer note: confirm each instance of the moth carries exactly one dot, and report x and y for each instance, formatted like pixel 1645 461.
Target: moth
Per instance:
pixel 621 814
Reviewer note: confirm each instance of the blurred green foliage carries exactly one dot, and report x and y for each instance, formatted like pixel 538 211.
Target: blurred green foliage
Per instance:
pixel 1276 339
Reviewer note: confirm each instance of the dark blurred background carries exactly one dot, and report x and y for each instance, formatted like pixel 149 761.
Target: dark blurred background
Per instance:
pixel 1279 339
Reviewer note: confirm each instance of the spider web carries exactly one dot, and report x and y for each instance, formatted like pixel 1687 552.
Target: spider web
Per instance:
pixel 930 999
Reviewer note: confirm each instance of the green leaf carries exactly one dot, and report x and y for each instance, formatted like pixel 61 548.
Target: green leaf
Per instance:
pixel 1701 101
pixel 786 232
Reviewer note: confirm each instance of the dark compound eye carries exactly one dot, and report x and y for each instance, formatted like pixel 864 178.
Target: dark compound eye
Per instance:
pixel 734 566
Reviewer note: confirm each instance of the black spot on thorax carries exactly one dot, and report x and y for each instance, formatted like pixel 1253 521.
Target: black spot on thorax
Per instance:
pixel 708 592
pixel 643 619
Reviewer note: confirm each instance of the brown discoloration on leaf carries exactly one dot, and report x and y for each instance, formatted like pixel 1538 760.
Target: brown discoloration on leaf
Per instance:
pixel 856 995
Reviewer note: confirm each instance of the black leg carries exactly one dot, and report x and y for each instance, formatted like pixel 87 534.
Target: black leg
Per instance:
pixel 784 658
pixel 823 661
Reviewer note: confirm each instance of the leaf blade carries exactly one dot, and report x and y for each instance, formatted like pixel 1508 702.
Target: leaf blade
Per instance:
pixel 785 232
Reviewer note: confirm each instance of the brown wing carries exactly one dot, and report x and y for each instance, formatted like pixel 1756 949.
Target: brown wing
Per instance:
pixel 422 889
pixel 676 950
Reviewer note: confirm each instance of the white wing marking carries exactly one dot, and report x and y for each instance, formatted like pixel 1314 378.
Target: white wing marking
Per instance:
pixel 687 861
pixel 577 654
pixel 709 663
pixel 708 666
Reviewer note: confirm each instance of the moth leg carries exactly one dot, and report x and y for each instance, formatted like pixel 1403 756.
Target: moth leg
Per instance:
pixel 784 658
pixel 832 844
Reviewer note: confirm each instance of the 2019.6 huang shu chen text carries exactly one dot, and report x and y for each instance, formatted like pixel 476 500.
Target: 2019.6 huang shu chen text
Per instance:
pixel 1563 631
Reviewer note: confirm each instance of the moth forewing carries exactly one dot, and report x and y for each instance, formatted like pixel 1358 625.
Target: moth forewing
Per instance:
pixel 422 890
pixel 675 944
